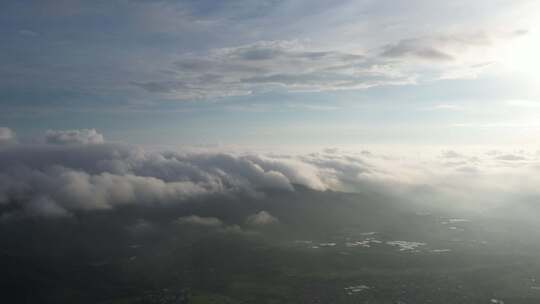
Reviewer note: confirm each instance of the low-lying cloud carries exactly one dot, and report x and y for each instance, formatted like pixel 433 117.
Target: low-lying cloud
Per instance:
pixel 84 136
pixel 62 180
pixel 261 218
pixel 6 135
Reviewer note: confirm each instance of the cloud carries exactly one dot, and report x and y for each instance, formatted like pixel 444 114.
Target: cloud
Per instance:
pixel 67 137
pixel 444 107
pixel 200 221
pixel 267 65
pixel 53 180
pixel 261 218
pixel 414 48
pixel 446 47
pixel 208 50
pixel 510 157
pixel 6 135
pixel 299 66
pixel 213 223
pixel 79 177
pixel 44 206
pixel 451 154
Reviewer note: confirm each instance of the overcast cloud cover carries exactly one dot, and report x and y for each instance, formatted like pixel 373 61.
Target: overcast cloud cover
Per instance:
pixel 60 178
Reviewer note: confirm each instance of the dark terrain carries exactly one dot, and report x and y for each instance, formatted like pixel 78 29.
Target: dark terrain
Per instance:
pixel 327 247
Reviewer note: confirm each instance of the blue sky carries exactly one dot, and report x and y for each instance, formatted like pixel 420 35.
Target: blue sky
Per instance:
pixel 274 72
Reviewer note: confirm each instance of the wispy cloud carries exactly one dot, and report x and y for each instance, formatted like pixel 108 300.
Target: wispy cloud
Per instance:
pixel 302 66
pixel 271 64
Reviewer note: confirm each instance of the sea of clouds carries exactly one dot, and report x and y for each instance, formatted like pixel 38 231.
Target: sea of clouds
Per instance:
pixel 73 171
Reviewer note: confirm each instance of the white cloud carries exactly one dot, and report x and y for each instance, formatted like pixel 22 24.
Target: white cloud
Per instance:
pixel 83 136
pixel 6 135
pixel 444 107
pixel 62 180
pixel 261 218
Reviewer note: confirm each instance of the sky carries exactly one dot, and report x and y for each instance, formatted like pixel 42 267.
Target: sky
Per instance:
pixel 273 73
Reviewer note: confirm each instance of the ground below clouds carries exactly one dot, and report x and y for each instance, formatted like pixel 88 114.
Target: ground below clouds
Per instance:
pixel 213 251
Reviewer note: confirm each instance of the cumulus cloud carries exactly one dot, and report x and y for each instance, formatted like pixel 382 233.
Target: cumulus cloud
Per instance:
pixel 261 218
pixel 83 136
pixel 57 180
pixel 64 180
pixel 6 135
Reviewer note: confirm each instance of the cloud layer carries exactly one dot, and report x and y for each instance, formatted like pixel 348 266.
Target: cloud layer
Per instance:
pixel 298 66
pixel 269 65
pixel 62 180
pixel 200 49
pixel 84 136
